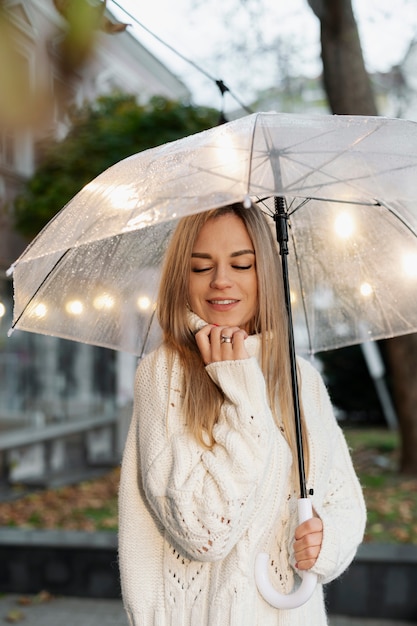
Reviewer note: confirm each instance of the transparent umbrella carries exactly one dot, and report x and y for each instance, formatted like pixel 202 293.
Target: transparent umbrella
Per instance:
pixel 347 191
pixel 350 187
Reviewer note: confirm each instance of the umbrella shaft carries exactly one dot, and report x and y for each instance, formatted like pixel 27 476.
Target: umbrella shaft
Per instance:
pixel 281 223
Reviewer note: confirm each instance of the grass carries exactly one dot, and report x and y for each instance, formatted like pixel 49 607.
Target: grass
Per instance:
pixel 391 498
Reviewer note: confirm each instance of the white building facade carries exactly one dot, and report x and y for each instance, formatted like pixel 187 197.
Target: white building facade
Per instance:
pixel 44 380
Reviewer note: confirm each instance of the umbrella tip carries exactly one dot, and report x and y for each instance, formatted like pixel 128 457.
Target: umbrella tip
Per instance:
pixel 10 271
pixel 247 202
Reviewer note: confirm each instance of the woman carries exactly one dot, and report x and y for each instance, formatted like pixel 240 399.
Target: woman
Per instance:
pixel 208 475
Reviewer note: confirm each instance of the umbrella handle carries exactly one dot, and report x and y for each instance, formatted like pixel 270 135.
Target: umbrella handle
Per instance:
pixel 309 580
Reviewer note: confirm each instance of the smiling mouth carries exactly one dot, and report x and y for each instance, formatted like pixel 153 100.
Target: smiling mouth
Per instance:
pixel 223 301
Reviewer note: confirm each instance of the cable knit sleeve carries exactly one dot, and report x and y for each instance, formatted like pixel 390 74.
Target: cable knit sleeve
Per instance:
pixel 205 499
pixel 338 498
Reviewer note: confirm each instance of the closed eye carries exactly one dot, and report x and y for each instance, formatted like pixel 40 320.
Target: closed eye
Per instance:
pixel 199 270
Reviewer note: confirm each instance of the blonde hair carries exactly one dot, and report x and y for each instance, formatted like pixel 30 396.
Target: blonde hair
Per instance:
pixel 202 398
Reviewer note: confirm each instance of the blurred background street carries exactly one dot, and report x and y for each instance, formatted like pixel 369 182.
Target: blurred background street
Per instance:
pixel 83 85
pixel 90 612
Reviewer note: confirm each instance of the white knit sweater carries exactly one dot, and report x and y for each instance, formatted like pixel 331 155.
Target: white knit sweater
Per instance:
pixel 193 520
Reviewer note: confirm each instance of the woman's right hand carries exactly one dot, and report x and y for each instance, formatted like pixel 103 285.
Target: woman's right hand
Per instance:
pixel 221 343
pixel 307 544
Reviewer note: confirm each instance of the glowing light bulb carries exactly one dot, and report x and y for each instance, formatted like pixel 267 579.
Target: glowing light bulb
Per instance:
pixel 144 303
pixel 2 310
pixel 409 263
pixel 366 289
pixel 74 307
pixel 40 311
pixel 344 225
pixel 103 302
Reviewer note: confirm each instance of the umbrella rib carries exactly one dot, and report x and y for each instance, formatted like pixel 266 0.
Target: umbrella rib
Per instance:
pixel 261 201
pixel 297 263
pixel 35 293
pixel 251 153
pixel 397 216
pixel 319 199
pixel 219 174
pixel 147 334
pixel 287 151
pixel 335 180
pixel 40 233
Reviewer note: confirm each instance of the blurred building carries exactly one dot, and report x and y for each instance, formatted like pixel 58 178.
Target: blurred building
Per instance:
pixel 41 77
pixel 45 68
pixel 407 104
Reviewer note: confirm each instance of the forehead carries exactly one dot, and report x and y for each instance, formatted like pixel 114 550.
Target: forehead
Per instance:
pixel 227 232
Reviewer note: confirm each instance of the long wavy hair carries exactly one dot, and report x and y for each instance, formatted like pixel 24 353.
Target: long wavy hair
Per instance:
pixel 202 397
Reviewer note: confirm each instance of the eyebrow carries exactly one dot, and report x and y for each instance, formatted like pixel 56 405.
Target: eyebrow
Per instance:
pixel 205 255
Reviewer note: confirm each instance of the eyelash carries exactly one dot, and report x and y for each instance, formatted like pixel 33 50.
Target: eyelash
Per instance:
pixel 198 270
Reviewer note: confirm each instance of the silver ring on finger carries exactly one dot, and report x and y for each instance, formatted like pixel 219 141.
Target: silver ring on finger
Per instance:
pixel 225 339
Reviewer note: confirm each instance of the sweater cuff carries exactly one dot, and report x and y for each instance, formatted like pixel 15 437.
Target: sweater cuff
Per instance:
pixel 327 564
pixel 241 381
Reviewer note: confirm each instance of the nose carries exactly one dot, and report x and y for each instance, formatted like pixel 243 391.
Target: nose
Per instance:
pixel 220 278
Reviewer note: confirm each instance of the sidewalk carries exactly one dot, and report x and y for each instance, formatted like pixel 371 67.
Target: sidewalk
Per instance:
pixel 65 611
pixel 99 612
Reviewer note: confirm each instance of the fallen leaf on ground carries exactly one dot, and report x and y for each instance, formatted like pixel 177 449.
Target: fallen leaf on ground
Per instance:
pixel 42 597
pixel 14 616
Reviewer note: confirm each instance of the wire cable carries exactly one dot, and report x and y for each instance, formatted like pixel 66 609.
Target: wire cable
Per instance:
pixel 219 83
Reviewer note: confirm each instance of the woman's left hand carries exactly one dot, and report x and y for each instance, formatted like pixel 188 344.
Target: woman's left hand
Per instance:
pixel 221 343
pixel 307 544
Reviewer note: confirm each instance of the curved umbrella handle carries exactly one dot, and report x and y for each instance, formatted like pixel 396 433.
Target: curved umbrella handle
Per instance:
pixel 309 580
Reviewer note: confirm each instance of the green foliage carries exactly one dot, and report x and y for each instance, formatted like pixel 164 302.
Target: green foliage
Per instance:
pixel 391 498
pixel 102 134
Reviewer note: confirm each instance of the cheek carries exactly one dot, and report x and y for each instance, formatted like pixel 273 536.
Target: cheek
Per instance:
pixel 254 290
pixel 193 290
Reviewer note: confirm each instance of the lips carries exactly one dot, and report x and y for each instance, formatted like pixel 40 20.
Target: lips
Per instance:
pixel 223 305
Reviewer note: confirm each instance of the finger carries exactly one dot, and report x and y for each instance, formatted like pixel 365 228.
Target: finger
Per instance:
pixel 228 331
pixel 307 558
pixel 221 340
pixel 303 566
pixel 212 346
pixel 203 341
pixel 311 540
pixel 230 342
pixel 307 550
pixel 314 524
pixel 239 349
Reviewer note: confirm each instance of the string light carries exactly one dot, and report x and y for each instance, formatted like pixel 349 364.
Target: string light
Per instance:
pixel 366 289
pixel 40 311
pixel 410 264
pixel 344 225
pixel 74 307
pixel 144 303
pixel 103 302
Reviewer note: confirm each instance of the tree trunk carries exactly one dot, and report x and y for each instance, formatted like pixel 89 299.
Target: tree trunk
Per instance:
pixel 401 353
pixel 345 78
pixel 349 91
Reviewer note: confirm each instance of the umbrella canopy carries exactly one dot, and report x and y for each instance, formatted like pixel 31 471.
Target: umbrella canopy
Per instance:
pixel 350 186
